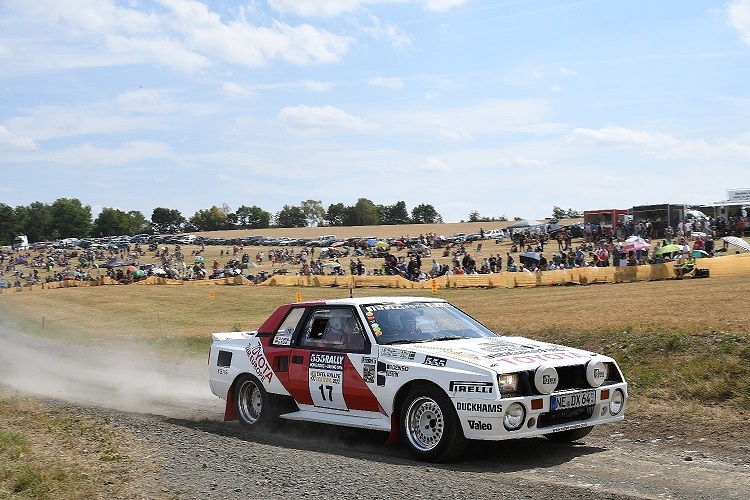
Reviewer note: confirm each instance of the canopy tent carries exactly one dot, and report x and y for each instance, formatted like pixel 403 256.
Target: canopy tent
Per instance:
pixel 738 242
pixel 525 223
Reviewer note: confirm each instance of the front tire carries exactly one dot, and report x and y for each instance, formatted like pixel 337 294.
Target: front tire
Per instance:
pixel 569 436
pixel 255 408
pixel 430 427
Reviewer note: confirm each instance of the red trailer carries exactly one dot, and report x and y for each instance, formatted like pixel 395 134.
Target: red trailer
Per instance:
pixel 608 218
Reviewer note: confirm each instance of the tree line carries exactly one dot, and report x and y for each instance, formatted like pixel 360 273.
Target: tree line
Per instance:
pixel 70 218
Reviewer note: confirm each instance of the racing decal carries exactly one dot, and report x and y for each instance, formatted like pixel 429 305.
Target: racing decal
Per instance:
pixel 259 362
pixel 392 352
pixel 434 361
pixel 470 387
pixel 478 425
pixel 326 374
pixel 536 357
pixel 368 369
pixel 479 407
pixel 368 373
pixel 459 353
pixel 283 337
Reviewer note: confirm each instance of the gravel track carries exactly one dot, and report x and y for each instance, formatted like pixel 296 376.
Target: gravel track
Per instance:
pixel 189 452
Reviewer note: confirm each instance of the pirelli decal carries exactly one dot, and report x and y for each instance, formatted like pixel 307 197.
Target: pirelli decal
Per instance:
pixel 470 387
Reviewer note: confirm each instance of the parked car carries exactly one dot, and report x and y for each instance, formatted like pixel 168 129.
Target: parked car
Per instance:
pixel 418 368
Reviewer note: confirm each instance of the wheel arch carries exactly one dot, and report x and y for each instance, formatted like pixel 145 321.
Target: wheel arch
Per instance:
pixel 398 403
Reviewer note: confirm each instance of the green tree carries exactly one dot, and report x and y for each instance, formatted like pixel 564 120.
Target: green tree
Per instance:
pixel 291 216
pixel 337 214
pixel 474 216
pixel 365 213
pixel 252 217
pixel 167 221
pixel 425 214
pixel 573 214
pixel 70 218
pixel 113 222
pixel 212 219
pixel 8 222
pixel 393 214
pixel 36 221
pixel 314 212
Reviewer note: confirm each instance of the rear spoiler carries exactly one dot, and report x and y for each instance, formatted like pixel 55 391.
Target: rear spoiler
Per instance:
pixel 232 335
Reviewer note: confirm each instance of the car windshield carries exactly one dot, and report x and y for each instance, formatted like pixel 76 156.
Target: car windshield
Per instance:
pixel 421 322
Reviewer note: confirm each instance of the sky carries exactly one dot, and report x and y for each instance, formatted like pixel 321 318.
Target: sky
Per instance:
pixel 503 108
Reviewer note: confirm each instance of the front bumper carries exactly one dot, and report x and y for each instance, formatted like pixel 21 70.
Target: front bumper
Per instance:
pixel 485 419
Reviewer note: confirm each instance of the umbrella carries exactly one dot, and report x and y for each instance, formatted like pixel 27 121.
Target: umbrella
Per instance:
pixel 337 243
pixel 669 249
pixel 633 238
pixel 199 259
pixel 700 253
pixel 634 246
pixel 524 223
pixel 529 258
pixel 249 265
pixel 738 242
pixel 382 244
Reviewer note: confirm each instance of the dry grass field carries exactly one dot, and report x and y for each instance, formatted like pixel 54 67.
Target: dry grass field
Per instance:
pixel 684 346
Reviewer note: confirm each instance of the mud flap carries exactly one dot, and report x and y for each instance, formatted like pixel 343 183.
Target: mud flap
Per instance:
pixel 395 436
pixel 230 412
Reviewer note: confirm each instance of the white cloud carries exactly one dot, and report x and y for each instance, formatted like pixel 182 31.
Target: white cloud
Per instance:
pixel 739 18
pixel 657 143
pixel 454 135
pixel 524 162
pixel 433 165
pixel 316 8
pixel 380 31
pixel 7 138
pixel 316 86
pixel 388 83
pixel 308 119
pixel 235 90
pixel 567 72
pixel 443 5
pixel 183 34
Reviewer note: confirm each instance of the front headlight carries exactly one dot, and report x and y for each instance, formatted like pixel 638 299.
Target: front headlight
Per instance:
pixel 514 416
pixel 617 402
pixel 507 383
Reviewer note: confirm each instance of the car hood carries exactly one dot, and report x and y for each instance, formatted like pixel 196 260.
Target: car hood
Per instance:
pixel 501 354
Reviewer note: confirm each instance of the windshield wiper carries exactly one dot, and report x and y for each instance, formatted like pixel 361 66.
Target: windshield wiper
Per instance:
pixel 405 341
pixel 447 337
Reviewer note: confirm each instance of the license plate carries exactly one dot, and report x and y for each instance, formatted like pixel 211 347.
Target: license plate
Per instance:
pixel 572 400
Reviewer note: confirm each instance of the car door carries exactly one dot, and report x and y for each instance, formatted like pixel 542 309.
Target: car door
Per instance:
pixel 332 367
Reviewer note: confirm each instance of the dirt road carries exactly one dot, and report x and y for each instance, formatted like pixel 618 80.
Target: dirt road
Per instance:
pixel 168 409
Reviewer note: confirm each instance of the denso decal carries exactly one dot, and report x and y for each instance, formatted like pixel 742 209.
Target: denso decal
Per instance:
pixel 397 353
pixel 471 387
pixel 479 407
pixel 259 362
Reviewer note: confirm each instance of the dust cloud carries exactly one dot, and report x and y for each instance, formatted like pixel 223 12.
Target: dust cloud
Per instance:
pixel 103 376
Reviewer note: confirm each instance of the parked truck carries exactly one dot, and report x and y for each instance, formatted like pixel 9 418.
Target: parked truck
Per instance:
pixel 21 242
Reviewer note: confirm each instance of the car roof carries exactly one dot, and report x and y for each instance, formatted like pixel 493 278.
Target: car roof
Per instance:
pixel 358 301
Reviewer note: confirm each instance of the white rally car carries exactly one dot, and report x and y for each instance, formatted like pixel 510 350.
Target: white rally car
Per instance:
pixel 418 368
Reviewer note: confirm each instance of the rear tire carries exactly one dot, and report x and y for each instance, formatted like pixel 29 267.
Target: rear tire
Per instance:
pixel 569 436
pixel 430 426
pixel 255 409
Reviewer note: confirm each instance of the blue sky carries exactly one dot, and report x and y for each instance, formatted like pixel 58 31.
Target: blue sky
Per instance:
pixel 504 108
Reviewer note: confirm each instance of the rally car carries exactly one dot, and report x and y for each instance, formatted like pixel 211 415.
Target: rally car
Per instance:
pixel 418 368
